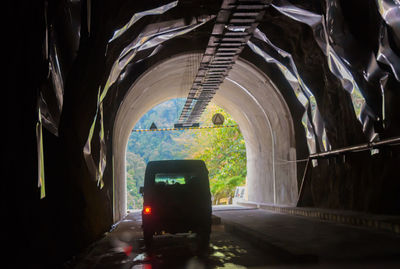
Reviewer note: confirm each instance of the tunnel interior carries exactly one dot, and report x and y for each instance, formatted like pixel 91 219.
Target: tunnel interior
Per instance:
pixel 254 103
pixel 314 77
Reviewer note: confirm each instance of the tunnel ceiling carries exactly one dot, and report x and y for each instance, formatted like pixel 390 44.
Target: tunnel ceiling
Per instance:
pixel 341 70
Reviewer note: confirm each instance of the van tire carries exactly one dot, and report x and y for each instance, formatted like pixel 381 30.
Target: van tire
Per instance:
pixel 148 238
pixel 203 239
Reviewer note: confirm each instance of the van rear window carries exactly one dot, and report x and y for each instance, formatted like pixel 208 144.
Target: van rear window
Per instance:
pixel 170 179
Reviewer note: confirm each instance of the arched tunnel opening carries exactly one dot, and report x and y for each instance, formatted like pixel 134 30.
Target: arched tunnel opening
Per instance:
pixel 221 146
pixel 253 101
pixel 314 88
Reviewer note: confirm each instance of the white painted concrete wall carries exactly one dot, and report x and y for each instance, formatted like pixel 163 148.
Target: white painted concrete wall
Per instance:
pixel 252 100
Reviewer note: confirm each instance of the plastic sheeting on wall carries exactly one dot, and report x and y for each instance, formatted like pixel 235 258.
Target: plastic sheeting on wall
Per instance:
pixel 338 45
pixel 152 36
pixel 139 15
pixel 312 121
pixel 39 141
pixel 353 65
pixel 51 95
pixel 327 29
pixel 50 100
pixel 390 12
pixel 51 91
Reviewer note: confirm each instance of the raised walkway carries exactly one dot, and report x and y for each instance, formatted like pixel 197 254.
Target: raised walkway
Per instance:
pixel 312 238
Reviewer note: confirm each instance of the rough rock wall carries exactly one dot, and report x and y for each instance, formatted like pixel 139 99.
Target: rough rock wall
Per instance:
pixel 357 181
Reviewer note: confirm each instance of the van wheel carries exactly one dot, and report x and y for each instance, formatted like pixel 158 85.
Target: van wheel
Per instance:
pixel 203 240
pixel 148 238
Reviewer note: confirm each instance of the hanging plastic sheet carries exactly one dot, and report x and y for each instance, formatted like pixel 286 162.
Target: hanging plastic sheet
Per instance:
pixel 390 13
pixel 51 97
pixel 96 170
pixel 327 34
pixel 311 120
pixel 150 38
pixel 385 53
pixel 139 15
pixel 52 89
pixel 52 93
pixel 39 143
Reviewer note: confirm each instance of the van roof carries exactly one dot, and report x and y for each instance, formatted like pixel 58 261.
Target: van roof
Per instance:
pixel 171 166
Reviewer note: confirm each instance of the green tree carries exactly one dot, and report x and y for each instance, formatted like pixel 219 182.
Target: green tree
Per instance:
pixel 224 152
pixel 135 167
pixel 222 149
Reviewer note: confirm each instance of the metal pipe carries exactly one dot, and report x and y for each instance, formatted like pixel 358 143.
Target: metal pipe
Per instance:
pixel 364 146
pixel 301 191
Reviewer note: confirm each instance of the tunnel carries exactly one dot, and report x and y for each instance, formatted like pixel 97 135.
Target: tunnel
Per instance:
pixel 314 89
pixel 254 102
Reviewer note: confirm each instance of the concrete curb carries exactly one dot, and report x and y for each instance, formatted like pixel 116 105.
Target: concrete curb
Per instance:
pixel 384 223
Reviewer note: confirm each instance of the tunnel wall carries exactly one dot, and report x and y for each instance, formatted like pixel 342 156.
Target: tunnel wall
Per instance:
pixel 269 134
pixel 359 181
pixel 48 232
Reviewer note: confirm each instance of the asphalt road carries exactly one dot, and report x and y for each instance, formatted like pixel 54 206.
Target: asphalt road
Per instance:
pixel 124 248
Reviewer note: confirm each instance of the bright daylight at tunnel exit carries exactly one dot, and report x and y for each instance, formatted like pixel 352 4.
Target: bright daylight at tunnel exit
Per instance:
pixel 221 146
pixel 204 134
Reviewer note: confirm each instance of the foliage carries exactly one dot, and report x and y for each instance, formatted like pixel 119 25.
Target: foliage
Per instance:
pixel 222 149
pixel 149 146
pixel 224 152
pixel 135 167
pixel 158 145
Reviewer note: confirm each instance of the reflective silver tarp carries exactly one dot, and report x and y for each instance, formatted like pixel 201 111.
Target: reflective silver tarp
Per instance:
pixel 151 37
pixel 352 64
pixel 339 47
pixel 390 13
pixel 328 33
pixel 51 94
pixel 139 15
pixel 50 99
pixel 40 155
pixel 312 121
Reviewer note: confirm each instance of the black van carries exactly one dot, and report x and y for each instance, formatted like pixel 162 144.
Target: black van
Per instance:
pixel 176 199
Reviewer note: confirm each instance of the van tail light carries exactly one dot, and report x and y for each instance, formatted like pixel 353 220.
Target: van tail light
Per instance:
pixel 147 210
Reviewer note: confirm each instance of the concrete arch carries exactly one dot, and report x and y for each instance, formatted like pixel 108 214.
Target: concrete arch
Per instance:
pixel 255 104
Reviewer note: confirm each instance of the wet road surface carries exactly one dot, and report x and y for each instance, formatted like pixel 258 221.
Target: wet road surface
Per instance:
pixel 123 247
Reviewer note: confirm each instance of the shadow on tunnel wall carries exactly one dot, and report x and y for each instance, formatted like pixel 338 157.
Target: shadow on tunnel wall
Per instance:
pixel 358 182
